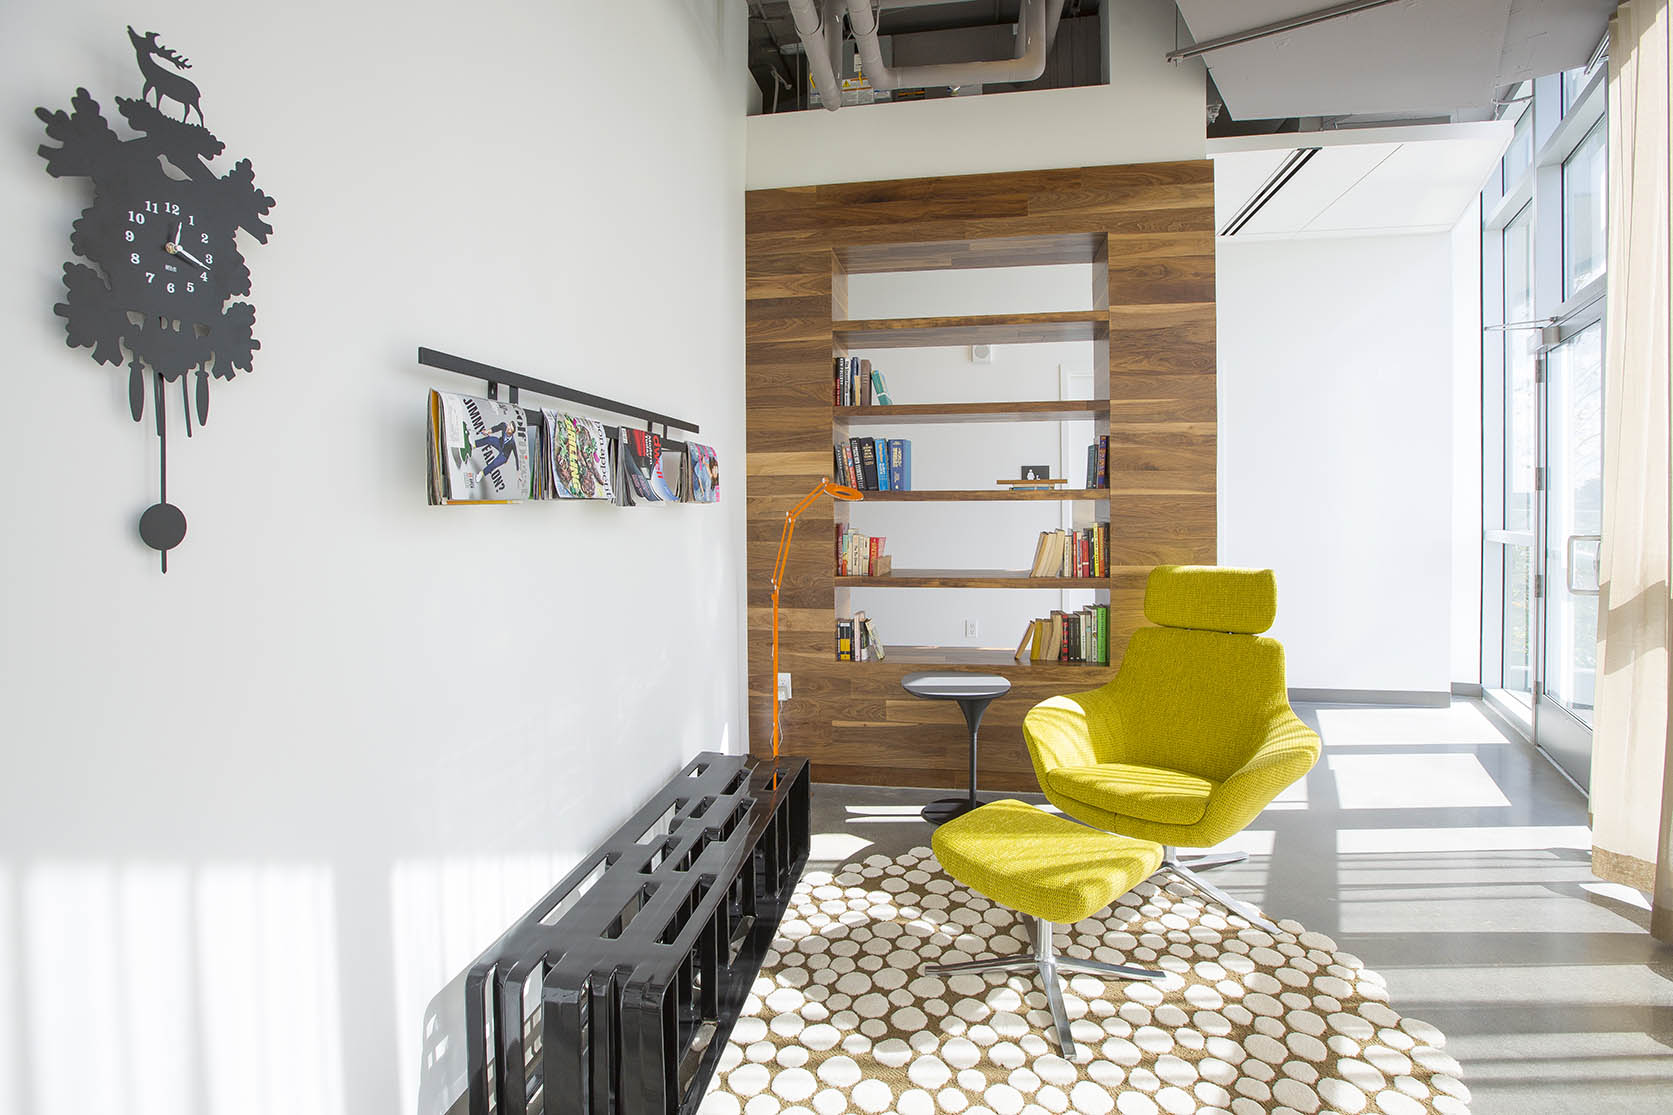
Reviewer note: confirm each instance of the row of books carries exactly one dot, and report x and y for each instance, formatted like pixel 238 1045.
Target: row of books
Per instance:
pixel 858 384
pixel 1098 463
pixel 857 641
pixel 489 451
pixel 874 464
pixel 860 555
pixel 1073 553
pixel 1081 636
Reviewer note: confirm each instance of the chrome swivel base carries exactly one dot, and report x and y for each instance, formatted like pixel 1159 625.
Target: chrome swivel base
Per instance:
pixel 1043 961
pixel 1185 869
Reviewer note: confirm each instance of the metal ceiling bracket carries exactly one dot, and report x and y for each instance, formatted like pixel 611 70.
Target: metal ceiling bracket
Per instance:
pixel 1292 24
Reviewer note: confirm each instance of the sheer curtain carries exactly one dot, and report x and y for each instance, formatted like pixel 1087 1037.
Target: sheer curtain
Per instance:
pixel 1630 747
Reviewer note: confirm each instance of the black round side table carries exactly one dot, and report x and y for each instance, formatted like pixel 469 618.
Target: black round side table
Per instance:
pixel 973 692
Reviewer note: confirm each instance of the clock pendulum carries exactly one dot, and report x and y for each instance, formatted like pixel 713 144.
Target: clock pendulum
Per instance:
pixel 170 292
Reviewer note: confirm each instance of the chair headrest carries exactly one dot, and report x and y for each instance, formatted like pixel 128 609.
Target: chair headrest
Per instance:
pixel 1212 598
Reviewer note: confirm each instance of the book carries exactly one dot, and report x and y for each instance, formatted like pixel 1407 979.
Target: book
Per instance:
pixel 875 642
pixel 881 447
pixel 1026 642
pixel 1103 476
pixel 479 450
pixel 845 640
pixel 1042 548
pixel 862 639
pixel 868 462
pixel 905 464
pixel 1092 465
pixel 880 390
pixel 895 473
pixel 862 376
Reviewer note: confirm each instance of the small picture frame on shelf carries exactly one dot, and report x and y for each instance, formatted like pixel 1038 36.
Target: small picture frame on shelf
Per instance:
pixel 1034 472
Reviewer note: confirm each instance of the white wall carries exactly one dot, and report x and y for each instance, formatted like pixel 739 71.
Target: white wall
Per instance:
pixel 257 812
pixel 1151 111
pixel 1336 450
pixel 1467 516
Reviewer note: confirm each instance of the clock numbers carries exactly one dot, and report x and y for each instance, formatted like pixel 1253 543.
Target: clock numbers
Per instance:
pixel 170 208
pixel 171 288
pixel 209 258
pixel 133 257
pixel 136 218
pixel 129 235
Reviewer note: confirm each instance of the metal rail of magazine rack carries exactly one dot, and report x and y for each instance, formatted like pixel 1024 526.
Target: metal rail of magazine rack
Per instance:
pixel 496 377
pixel 616 992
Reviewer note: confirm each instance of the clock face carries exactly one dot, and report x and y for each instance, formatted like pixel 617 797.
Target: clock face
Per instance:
pixel 163 248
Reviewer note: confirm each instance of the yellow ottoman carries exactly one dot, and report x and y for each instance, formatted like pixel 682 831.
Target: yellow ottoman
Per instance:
pixel 1049 870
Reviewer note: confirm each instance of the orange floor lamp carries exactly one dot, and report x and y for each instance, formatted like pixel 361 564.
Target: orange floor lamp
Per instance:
pixel 825 488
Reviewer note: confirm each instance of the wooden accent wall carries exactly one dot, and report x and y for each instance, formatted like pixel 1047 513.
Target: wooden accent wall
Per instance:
pixel 1154 226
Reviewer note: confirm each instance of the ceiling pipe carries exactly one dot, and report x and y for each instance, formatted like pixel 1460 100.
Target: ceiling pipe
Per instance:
pixel 1036 28
pixel 819 24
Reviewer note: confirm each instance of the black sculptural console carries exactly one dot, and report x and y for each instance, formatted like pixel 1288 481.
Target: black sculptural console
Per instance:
pixel 616 992
pixel 162 231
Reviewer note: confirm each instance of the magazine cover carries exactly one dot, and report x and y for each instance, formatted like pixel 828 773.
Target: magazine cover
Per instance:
pixel 665 477
pixel 578 464
pixel 705 473
pixel 483 449
pixel 641 457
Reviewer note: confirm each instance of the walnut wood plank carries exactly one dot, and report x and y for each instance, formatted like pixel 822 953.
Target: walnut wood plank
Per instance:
pixel 985 495
pixel 1146 234
pixel 1048 410
pixel 1011 329
pixel 970 578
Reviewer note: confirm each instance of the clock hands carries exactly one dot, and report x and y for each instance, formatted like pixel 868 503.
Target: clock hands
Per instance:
pixel 174 249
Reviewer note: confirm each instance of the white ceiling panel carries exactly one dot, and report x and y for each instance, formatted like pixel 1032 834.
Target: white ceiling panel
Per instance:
pixel 1413 56
pixel 1327 176
pixel 1426 187
pixel 1374 181
pixel 1236 180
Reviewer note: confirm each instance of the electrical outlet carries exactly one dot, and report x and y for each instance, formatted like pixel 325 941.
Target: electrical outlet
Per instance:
pixel 971 630
pixel 784 687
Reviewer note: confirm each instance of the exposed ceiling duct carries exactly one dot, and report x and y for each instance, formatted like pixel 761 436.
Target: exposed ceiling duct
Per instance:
pixel 819 23
pixel 1036 28
pixel 819 26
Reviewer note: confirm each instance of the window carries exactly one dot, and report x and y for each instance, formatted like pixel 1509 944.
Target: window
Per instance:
pixel 1519 156
pixel 1585 212
pixel 1521 403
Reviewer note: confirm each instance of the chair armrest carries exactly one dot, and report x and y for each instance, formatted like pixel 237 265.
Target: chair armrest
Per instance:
pixel 1287 751
pixel 1070 731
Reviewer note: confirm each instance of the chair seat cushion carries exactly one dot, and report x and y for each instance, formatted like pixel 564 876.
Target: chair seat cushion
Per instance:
pixel 1040 864
pixel 1156 794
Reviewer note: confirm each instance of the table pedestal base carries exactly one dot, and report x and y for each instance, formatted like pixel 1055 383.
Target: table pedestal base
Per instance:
pixel 945 809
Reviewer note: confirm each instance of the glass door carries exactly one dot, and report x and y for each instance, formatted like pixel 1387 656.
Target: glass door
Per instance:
pixel 1571 527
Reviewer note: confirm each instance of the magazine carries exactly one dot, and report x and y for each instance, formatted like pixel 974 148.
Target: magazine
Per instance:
pixel 578 464
pixel 641 459
pixel 479 450
pixel 704 469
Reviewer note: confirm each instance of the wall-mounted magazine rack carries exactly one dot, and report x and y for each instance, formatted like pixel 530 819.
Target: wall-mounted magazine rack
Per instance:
pixel 489 450
pixel 495 378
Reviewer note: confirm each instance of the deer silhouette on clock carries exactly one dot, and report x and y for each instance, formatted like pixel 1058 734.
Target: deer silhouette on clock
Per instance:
pixel 168 290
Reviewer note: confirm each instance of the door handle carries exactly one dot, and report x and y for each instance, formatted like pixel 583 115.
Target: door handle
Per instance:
pixel 1568 572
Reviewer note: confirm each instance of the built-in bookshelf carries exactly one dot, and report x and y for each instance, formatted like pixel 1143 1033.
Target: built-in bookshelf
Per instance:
pixel 1148 233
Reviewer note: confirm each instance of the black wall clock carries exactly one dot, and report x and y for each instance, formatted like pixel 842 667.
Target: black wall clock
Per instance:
pixel 168 294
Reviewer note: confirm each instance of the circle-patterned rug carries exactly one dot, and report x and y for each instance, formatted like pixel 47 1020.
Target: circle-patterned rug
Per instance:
pixel 842 1019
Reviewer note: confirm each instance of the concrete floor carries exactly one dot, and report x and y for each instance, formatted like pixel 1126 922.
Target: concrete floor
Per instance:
pixel 1455 861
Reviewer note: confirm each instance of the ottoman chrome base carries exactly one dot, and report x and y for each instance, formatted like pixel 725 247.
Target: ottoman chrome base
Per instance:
pixel 1047 965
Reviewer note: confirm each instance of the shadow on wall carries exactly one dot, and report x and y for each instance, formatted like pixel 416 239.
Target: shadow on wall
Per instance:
pixel 170 989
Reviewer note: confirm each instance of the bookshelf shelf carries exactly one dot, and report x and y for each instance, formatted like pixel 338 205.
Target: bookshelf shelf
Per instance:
pixel 964 656
pixel 988 495
pixel 970 578
pixel 1007 329
pixel 1045 410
